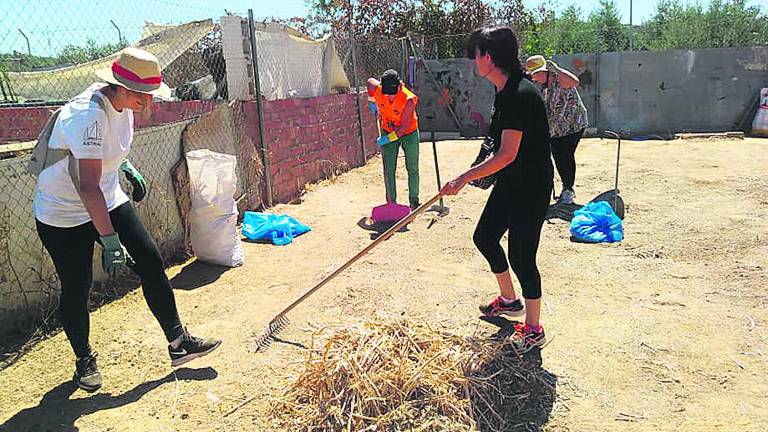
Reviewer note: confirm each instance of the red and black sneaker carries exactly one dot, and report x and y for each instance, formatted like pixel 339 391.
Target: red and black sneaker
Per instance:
pixel 527 338
pixel 498 307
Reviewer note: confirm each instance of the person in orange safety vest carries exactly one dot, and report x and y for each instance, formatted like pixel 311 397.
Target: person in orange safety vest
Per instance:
pixel 396 108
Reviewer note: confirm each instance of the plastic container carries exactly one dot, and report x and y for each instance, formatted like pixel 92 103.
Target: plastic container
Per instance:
pixel 389 212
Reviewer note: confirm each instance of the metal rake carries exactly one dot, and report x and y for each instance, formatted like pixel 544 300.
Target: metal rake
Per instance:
pixel 281 321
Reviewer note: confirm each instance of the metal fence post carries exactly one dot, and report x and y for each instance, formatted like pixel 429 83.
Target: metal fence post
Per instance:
pixel 597 80
pixel 630 25
pixel 257 88
pixel 353 49
pixel 437 170
pixel 403 59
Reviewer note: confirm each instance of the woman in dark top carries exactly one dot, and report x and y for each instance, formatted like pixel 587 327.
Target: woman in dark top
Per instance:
pixel 519 134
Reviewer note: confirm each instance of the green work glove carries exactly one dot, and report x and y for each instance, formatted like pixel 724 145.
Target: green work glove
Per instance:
pixel 137 180
pixel 113 254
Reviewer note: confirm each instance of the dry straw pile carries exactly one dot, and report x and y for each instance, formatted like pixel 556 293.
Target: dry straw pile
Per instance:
pixel 391 375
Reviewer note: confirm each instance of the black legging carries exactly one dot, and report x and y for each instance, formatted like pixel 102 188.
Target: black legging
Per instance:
pixel 564 153
pixel 521 211
pixel 71 250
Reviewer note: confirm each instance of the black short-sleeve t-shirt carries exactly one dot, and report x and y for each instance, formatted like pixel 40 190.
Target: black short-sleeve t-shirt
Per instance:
pixel 519 106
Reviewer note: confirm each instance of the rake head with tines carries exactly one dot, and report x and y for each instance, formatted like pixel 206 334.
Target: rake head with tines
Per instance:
pixel 278 324
pixel 280 321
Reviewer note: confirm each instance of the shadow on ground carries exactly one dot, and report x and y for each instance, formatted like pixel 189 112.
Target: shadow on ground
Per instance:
pixel 562 211
pixel 57 412
pixel 520 394
pixel 378 228
pixel 197 274
pixel 17 343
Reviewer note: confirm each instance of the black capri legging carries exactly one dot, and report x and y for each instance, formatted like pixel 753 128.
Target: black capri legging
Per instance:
pixel 564 152
pixel 521 212
pixel 71 250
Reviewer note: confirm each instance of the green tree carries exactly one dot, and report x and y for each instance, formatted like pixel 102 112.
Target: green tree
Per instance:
pixel 72 54
pixel 539 34
pixel 732 23
pixel 532 26
pixel 722 24
pixel 675 24
pixel 607 22
pixel 572 34
pixel 396 18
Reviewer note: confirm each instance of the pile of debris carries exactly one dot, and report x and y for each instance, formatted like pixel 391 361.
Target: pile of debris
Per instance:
pixel 401 375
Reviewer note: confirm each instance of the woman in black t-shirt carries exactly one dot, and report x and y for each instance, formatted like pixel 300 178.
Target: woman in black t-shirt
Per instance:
pixel 519 133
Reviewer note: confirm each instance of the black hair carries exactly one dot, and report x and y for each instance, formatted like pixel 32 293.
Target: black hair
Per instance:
pixel 501 43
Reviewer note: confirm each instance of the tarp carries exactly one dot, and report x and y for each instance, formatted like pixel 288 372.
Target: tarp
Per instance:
pixel 294 66
pixel 279 229
pixel 65 83
pixel 596 222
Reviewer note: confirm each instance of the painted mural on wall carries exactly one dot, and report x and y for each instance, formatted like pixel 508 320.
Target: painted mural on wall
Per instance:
pixel 470 96
pixel 457 86
pixel 637 92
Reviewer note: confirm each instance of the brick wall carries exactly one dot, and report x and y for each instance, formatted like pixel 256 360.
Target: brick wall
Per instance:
pixel 25 123
pixel 309 139
pixel 22 124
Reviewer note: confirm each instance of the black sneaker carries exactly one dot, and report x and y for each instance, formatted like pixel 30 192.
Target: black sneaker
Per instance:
pixel 87 375
pixel 191 347
pixel 497 307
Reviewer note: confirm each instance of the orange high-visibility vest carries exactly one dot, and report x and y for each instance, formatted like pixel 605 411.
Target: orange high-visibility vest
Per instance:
pixel 393 111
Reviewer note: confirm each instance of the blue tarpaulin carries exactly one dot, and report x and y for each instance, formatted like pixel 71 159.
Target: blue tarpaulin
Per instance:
pixel 278 229
pixel 596 222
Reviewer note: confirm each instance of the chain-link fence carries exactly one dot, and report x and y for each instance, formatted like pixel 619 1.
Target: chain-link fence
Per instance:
pixel 61 69
pixel 219 103
pixel 442 46
pixel 45 61
pixel 373 55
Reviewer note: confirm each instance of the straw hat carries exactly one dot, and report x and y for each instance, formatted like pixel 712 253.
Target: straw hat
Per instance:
pixel 136 70
pixel 536 62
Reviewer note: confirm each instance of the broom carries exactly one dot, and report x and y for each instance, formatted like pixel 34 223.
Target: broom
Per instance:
pixel 280 321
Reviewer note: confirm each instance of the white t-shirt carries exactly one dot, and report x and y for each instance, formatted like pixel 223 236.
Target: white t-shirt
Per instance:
pixel 89 133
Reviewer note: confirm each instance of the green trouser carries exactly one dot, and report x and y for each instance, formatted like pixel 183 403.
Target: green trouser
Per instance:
pixel 389 152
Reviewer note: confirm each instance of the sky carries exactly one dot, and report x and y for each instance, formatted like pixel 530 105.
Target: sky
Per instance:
pixel 51 25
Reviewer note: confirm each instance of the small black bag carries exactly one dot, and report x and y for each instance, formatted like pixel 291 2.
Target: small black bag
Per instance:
pixel 487 151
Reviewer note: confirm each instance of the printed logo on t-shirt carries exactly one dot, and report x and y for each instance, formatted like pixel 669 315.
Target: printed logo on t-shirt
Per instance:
pixel 92 135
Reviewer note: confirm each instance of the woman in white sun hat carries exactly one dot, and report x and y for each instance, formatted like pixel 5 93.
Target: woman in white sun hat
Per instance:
pixel 566 114
pixel 79 201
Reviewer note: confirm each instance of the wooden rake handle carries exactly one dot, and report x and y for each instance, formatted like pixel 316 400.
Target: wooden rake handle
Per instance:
pixel 385 235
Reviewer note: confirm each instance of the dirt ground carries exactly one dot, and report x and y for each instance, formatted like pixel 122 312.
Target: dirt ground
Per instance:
pixel 667 330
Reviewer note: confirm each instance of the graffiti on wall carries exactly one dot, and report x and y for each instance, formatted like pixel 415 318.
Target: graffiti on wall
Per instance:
pixel 453 84
pixel 456 85
pixel 640 92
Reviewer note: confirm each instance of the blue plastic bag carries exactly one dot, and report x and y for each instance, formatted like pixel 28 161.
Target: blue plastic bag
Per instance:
pixel 278 229
pixel 596 222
